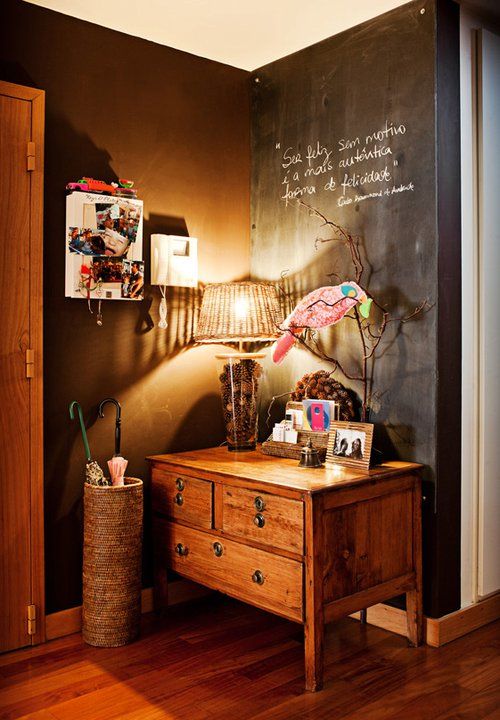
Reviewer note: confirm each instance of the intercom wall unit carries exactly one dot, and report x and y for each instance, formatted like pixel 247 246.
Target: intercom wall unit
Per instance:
pixel 174 261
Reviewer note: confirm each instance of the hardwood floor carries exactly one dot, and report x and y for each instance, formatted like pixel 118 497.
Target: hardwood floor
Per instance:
pixel 218 658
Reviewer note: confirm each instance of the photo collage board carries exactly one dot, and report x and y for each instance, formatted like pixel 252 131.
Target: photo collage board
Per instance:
pixel 104 247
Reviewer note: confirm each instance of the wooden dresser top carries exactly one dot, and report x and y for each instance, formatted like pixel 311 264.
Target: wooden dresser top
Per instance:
pixel 280 472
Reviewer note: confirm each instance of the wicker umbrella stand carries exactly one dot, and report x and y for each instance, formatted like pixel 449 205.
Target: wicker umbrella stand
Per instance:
pixel 112 552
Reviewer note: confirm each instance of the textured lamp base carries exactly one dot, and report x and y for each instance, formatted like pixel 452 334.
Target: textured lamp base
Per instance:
pixel 239 378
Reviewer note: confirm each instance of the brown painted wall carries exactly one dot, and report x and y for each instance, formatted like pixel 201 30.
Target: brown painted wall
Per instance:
pixel 178 125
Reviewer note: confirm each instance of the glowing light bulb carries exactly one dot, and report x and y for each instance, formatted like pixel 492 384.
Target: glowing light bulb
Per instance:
pixel 241 308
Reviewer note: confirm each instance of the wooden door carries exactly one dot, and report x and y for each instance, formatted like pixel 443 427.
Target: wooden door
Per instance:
pixel 21 440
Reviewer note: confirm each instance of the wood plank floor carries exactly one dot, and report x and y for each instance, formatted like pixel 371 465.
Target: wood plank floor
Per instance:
pixel 217 658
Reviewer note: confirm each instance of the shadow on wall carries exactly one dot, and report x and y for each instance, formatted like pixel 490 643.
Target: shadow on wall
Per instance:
pixel 194 424
pixel 88 363
pixel 187 151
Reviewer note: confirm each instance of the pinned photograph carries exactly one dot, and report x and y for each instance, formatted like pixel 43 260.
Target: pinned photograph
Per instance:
pixel 104 243
pixel 107 270
pixel 121 217
pixel 86 241
pixel 116 244
pixel 350 444
pixel 133 280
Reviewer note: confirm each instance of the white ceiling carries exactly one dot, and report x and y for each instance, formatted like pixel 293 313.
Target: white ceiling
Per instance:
pixel 236 32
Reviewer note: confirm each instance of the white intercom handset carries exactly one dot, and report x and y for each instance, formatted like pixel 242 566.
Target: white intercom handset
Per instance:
pixel 174 263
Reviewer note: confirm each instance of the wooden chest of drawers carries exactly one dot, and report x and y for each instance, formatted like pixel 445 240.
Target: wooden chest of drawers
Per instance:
pixel 309 545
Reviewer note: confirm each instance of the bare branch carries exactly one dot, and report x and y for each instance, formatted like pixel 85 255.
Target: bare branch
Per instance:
pixel 370 334
pixel 424 306
pixel 316 350
pixel 270 406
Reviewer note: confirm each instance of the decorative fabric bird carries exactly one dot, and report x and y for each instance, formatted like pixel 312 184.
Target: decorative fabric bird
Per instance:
pixel 321 308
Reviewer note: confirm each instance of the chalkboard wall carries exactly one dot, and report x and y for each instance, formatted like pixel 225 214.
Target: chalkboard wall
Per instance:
pixel 350 126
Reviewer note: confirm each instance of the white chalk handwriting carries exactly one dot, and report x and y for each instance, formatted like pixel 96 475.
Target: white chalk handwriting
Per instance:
pixel 358 168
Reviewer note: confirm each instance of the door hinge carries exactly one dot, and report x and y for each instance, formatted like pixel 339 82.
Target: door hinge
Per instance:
pixel 30 363
pixel 30 156
pixel 31 619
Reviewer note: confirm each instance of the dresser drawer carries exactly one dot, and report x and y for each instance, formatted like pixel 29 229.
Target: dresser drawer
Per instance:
pixel 269 519
pixel 182 498
pixel 255 576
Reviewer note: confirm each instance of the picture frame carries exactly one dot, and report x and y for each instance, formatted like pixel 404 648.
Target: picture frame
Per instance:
pixel 350 444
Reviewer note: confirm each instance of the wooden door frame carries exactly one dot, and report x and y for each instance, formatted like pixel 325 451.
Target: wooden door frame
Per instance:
pixel 37 99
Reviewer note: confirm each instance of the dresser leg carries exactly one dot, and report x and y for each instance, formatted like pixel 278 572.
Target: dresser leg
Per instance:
pixel 414 600
pixel 314 628
pixel 414 617
pixel 314 650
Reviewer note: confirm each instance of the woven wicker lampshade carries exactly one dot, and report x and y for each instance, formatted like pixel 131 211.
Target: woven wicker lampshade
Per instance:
pixel 239 311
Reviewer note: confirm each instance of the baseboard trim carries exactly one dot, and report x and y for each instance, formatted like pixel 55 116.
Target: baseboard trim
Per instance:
pixel 450 627
pixel 67 622
pixel 385 617
pixel 438 631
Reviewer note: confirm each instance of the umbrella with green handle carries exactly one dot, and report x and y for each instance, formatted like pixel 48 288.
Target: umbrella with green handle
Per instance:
pixel 93 471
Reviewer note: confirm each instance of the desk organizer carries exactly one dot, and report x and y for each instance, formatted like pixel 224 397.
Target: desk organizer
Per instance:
pixel 112 553
pixel 292 450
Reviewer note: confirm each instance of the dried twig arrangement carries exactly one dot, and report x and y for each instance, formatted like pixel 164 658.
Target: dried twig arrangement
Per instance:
pixel 370 333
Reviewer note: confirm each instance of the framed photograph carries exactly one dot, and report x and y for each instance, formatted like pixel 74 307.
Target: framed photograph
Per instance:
pixel 350 444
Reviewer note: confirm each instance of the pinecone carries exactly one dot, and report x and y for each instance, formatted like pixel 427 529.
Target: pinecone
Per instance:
pixel 320 385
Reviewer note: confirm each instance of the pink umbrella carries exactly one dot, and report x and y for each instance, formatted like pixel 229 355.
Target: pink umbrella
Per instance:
pixel 117 465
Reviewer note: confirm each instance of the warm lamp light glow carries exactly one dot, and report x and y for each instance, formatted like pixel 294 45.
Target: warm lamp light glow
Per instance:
pixel 241 308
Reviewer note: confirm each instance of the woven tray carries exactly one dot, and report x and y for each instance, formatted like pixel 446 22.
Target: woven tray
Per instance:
pixel 292 450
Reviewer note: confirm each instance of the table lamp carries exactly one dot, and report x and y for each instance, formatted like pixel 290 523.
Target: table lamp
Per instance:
pixel 239 312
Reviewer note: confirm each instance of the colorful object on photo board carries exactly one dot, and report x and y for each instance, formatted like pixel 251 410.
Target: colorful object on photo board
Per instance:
pixel 86 285
pixel 93 471
pixel 321 308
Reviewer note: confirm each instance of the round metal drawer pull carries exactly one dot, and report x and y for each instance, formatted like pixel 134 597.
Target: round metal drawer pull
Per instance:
pixel 178 499
pixel 181 549
pixel 218 549
pixel 259 520
pixel 179 484
pixel 258 577
pixel 259 503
